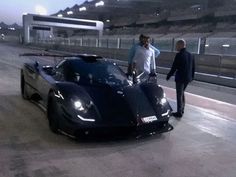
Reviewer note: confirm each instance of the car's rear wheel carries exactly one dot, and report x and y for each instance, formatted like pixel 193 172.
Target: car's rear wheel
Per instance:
pixel 24 92
pixel 52 115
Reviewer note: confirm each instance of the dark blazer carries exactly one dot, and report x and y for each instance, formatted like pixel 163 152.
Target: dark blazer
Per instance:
pixel 183 67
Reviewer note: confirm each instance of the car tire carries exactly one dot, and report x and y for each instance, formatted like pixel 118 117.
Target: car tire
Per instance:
pixel 24 91
pixel 52 116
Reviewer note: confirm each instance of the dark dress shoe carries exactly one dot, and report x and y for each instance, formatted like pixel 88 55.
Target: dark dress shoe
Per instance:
pixel 177 114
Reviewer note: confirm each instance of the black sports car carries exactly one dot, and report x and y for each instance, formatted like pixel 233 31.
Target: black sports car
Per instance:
pixel 86 93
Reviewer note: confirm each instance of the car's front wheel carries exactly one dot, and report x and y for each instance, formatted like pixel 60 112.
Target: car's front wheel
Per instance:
pixel 52 115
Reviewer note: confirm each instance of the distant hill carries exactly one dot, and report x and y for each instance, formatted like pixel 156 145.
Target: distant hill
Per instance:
pixel 5 26
pixel 16 26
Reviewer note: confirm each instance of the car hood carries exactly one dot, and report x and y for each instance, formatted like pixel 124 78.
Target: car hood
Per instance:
pixel 127 105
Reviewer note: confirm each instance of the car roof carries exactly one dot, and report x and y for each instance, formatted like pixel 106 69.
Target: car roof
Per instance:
pixel 87 59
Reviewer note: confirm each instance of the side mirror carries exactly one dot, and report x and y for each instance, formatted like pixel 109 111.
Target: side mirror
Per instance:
pixel 49 70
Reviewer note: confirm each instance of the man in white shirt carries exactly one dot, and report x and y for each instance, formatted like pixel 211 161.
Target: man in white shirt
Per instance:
pixel 143 60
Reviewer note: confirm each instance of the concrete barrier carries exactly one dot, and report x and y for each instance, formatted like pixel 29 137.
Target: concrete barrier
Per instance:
pixel 209 64
pixel 209 68
pixel 228 66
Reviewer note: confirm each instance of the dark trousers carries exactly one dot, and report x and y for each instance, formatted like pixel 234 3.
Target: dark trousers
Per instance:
pixel 180 88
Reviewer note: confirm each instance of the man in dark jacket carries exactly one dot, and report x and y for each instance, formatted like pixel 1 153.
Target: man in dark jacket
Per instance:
pixel 184 68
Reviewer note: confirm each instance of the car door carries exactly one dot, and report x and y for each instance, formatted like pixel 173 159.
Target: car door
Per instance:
pixel 30 76
pixel 46 80
pixel 60 71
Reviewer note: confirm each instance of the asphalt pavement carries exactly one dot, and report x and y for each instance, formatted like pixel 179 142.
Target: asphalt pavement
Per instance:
pixel 202 143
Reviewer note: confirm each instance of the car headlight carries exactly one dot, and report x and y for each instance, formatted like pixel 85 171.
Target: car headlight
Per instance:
pixel 163 101
pixel 78 105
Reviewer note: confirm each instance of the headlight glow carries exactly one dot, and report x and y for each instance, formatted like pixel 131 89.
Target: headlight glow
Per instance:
pixel 58 94
pixel 85 119
pixel 78 106
pixel 83 108
pixel 163 101
pixel 166 113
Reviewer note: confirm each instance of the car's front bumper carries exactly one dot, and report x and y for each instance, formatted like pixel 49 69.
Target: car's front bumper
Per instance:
pixel 77 129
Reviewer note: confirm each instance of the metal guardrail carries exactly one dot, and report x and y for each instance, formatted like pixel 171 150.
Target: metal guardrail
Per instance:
pixel 214 69
pixel 218 46
pixel 218 65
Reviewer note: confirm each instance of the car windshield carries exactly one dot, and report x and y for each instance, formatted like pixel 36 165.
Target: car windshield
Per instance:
pixel 101 72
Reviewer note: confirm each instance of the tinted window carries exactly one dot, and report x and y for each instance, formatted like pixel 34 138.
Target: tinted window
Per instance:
pixel 60 71
pixel 97 72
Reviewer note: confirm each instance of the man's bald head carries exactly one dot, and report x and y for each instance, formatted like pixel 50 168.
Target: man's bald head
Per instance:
pixel 180 44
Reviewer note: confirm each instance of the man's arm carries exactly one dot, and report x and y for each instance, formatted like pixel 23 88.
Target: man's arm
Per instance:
pixel 130 59
pixel 153 63
pixel 156 51
pixel 173 68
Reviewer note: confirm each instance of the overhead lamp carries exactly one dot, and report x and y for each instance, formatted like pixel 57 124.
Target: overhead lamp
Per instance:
pixel 195 6
pixel 70 12
pixel 108 20
pixel 82 9
pixel 39 9
pixel 59 15
pixel 100 3
pixel 13 29
pixel 226 45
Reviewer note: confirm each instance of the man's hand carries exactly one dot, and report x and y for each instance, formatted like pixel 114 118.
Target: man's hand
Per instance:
pixel 153 74
pixel 129 70
pixel 168 77
pixel 128 75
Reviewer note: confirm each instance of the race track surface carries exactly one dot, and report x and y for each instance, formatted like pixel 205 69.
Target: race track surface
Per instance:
pixel 202 143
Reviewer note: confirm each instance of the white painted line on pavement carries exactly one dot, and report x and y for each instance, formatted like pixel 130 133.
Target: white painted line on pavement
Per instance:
pixel 206 98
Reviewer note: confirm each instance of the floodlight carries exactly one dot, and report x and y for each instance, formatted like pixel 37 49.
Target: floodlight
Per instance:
pixel 70 12
pixel 100 3
pixel 82 9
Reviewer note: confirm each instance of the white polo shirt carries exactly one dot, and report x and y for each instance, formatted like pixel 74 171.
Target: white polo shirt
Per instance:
pixel 144 59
